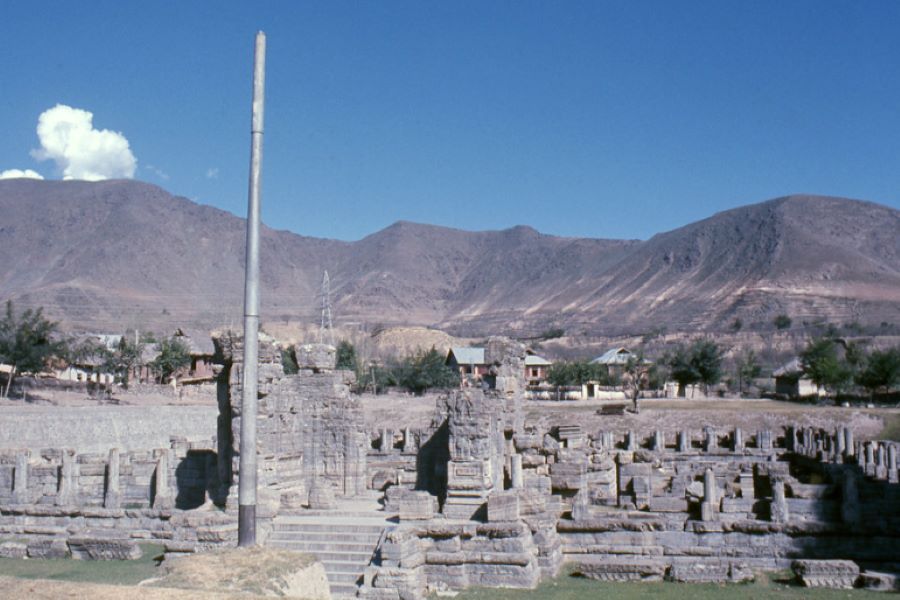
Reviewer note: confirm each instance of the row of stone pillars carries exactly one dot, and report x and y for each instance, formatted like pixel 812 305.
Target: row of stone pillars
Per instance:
pixel 877 459
pixel 685 439
pixel 67 493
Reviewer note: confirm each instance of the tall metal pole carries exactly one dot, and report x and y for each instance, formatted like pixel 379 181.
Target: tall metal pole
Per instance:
pixel 247 467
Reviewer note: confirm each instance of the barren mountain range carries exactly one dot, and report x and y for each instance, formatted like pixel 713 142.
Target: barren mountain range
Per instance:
pixel 121 254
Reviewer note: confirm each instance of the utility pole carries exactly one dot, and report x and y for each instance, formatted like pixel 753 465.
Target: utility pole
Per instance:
pixel 247 466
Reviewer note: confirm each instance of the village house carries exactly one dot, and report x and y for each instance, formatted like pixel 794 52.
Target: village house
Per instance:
pixel 201 350
pixel 791 381
pixel 469 362
pixel 615 360
pixel 472 368
pixel 536 368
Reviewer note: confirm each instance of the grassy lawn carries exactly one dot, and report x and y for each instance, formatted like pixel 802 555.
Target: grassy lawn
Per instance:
pixel 576 588
pixel 124 572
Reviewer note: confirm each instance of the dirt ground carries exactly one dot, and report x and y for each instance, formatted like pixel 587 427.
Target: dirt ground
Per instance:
pixel 162 396
pixel 399 410
pixel 43 589
pixel 669 415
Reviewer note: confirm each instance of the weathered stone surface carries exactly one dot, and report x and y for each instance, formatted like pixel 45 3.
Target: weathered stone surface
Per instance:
pixel 839 574
pixel 13 550
pixel 713 572
pixel 414 505
pixel 86 548
pixel 321 497
pixel 48 549
pixel 503 506
pixel 880 582
pixel 620 569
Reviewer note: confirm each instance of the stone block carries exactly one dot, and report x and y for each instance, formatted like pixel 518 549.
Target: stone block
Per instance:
pixel 48 549
pixel 321 496
pixel 621 569
pixel 838 574
pixel 414 505
pixel 668 504
pixel 709 572
pixel 13 550
pixel 880 582
pixel 318 357
pixel 503 506
pixel 567 476
pixel 86 548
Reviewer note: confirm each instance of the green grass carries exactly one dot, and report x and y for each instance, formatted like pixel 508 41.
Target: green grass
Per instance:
pixel 576 588
pixel 124 572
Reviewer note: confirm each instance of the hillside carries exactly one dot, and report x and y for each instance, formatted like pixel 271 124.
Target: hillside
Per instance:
pixel 121 254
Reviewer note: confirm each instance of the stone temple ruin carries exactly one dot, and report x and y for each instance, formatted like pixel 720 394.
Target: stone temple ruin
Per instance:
pixel 479 498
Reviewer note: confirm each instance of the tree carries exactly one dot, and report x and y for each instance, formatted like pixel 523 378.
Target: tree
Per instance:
pixel 28 340
pixel 823 366
pixel 426 370
pixel 637 378
pixel 173 355
pixel 127 356
pixel 681 369
pixel 346 356
pixel 576 373
pixel 881 370
pixel 782 322
pixel 748 368
pixel 701 363
pixel 288 362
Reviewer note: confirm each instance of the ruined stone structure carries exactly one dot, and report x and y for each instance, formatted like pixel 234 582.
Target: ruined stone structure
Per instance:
pixel 480 497
pixel 310 433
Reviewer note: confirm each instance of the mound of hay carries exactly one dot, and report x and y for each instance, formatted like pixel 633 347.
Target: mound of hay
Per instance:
pixel 259 571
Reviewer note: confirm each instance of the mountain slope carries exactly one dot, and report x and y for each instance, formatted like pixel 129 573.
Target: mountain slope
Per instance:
pixel 117 254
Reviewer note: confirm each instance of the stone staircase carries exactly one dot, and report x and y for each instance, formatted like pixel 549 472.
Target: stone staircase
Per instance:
pixel 343 539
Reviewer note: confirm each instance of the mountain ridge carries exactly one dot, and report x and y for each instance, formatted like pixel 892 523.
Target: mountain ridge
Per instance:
pixel 121 253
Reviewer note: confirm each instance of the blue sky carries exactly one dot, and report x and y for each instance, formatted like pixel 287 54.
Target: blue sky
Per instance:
pixel 598 119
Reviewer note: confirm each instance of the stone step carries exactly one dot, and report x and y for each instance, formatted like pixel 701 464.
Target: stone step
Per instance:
pixel 361 558
pixel 342 566
pixel 316 534
pixel 345 578
pixel 316 547
pixel 329 527
pixel 343 590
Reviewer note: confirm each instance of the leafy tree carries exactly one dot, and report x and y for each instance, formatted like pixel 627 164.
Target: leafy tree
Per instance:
pixel 346 356
pixel 701 363
pixel 125 358
pixel 173 355
pixel 288 362
pixel 782 322
pixel 882 370
pixel 706 356
pixel 425 370
pixel 28 340
pixel 681 369
pixel 748 369
pixel 576 373
pixel 823 365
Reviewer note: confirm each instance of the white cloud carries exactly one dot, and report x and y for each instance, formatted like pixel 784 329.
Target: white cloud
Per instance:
pixel 212 172
pixel 67 136
pixel 16 173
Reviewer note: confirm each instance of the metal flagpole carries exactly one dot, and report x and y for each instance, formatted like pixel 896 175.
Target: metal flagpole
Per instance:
pixel 247 467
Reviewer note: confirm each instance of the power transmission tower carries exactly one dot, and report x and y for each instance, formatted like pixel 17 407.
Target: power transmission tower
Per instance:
pixel 326 325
